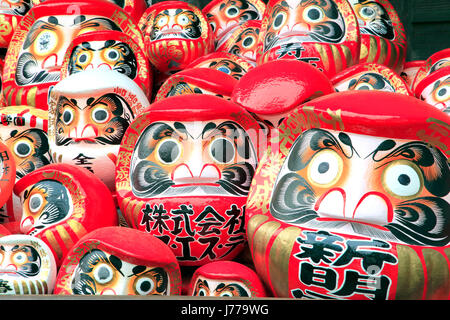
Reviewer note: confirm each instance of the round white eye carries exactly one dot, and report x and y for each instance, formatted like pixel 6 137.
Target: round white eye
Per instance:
pixel 23 148
pixel 313 14
pixel 325 168
pixel 183 19
pixel 162 21
pixel 67 116
pixel 35 203
pixel 232 12
pixel 112 55
pixel 83 59
pixel 402 179
pixel 442 93
pixel 279 20
pixel 45 43
pixel 144 286
pixel 364 86
pixel 20 258
pixel 168 151
pixel 100 115
pixel 222 150
pixel 248 42
pixel 367 13
pixel 103 273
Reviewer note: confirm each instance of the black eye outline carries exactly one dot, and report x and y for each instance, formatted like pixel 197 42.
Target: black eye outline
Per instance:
pixel 164 142
pixel 100 109
pixel 251 44
pixel 212 152
pixel 70 112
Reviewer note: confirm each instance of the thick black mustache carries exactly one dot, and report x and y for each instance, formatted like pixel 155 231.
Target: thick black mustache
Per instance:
pixel 26 71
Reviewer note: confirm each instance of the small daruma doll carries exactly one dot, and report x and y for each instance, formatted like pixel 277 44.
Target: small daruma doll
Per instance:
pixel 224 16
pixel 119 261
pixel 226 279
pixel 355 205
pixel 322 33
pixel 27 266
pixel 35 55
pixel 23 129
pixel 89 112
pixel 176 35
pixel 183 174
pixel 383 38
pixel 63 202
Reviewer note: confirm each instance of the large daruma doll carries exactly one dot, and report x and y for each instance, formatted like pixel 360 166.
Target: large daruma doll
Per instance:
pixel 177 34
pixel 350 208
pixel 183 174
pixel 35 55
pixel 324 34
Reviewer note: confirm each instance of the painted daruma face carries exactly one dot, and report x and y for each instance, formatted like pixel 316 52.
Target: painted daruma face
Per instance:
pixel 107 262
pixel 294 29
pixel 177 34
pixel 88 121
pixel 195 170
pixel 226 15
pixel 27 266
pixel 216 288
pixel 360 211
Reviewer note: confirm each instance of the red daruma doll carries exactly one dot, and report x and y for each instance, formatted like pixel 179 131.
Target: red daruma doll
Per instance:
pixel 353 208
pixel 119 261
pixel 61 203
pixel 324 34
pixel 226 279
pixel 183 174
pixel 176 35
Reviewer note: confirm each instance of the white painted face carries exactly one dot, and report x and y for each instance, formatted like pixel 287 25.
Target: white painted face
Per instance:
pixel 102 273
pixel 27 266
pixel 186 158
pixel 205 286
pixel 45 45
pixel 89 113
pixel 365 185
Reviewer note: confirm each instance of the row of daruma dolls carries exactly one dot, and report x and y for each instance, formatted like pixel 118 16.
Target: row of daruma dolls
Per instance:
pixel 287 172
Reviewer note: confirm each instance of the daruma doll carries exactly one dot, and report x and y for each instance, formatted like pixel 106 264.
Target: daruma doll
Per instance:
pixel 183 174
pixel 355 204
